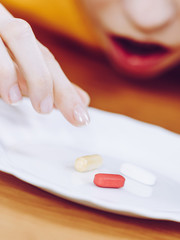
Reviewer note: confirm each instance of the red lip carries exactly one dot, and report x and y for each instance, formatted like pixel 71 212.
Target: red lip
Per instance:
pixel 135 56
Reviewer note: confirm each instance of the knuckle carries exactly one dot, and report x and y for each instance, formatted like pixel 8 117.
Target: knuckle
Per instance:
pixel 17 28
pixel 46 53
pixel 43 82
pixel 6 72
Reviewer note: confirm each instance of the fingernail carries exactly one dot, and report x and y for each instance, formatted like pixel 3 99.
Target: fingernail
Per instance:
pixel 46 105
pixel 81 115
pixel 15 94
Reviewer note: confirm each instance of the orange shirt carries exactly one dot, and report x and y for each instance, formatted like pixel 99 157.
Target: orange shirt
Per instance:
pixel 64 16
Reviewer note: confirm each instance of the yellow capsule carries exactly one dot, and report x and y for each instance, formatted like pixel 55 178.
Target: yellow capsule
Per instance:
pixel 88 163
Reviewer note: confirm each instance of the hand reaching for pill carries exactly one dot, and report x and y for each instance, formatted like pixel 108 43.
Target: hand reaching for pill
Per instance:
pixel 27 68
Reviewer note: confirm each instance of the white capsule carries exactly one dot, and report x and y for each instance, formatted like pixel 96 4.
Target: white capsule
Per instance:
pixel 88 163
pixel 137 188
pixel 138 174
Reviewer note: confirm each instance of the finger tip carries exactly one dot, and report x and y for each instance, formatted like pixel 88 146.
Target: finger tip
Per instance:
pixel 81 115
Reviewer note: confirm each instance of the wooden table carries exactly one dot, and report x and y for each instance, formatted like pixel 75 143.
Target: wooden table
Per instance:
pixel 29 213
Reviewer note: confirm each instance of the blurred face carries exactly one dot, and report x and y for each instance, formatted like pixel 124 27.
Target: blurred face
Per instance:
pixel 142 37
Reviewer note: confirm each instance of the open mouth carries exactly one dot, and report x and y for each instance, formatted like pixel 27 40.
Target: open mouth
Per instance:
pixel 136 55
pixel 140 49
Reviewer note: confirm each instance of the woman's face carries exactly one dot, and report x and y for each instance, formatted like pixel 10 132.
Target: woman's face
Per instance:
pixel 142 37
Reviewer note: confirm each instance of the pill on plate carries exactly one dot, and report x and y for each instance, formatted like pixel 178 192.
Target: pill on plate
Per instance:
pixel 88 163
pixel 105 180
pixel 137 173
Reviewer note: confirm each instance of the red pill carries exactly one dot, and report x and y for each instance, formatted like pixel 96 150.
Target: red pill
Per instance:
pixel 109 180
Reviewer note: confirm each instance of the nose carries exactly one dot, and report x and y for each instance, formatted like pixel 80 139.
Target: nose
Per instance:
pixel 150 15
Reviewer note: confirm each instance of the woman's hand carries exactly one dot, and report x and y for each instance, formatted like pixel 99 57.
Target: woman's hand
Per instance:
pixel 28 68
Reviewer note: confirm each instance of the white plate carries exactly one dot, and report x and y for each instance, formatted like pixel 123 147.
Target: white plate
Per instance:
pixel 41 150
